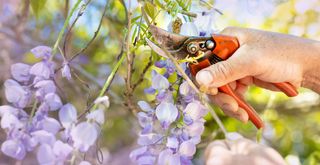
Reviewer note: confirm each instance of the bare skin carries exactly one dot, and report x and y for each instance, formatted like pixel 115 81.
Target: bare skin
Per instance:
pixel 241 151
pixel 263 58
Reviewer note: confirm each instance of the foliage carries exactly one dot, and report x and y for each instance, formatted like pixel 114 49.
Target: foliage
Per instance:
pixel 100 71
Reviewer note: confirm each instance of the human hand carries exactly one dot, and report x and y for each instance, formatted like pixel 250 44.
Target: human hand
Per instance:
pixel 263 58
pixel 241 151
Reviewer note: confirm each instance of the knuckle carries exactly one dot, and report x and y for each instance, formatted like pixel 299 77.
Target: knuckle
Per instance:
pixel 223 71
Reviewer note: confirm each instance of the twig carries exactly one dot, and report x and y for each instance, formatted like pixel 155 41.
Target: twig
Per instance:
pixel 106 84
pixel 95 33
pixel 66 8
pixel 130 59
pixel 55 46
pixel 67 37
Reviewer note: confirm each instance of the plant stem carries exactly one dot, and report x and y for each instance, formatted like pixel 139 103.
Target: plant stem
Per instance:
pixel 54 49
pixel 109 79
pixel 34 107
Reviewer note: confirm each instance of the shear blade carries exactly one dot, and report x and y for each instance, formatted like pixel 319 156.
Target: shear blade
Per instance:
pixel 174 43
pixel 156 48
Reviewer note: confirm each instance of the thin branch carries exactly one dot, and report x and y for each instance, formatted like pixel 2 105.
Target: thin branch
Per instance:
pixel 68 35
pixel 66 22
pixel 107 83
pixel 130 60
pixel 95 33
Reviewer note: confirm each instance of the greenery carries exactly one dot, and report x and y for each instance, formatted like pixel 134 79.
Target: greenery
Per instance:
pixel 293 124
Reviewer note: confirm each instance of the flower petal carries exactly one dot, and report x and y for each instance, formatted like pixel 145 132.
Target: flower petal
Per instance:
pixel 147 139
pixel 20 72
pixel 104 100
pixel 84 135
pixel 195 110
pixel 42 52
pixel 8 109
pixel 159 82
pixel 53 100
pixel 50 125
pixel 187 148
pixel 84 163
pixel 10 121
pixel 44 87
pixel 196 128
pixel 65 71
pixel 166 113
pixel 144 119
pixel 61 150
pixel 137 152
pixel 166 157
pixel 16 94
pixel 189 29
pixel 67 115
pixel 146 160
pixel 41 69
pixel 43 137
pixel 45 155
pixel 97 116
pixel 145 106
pixel 172 142
pixel 14 149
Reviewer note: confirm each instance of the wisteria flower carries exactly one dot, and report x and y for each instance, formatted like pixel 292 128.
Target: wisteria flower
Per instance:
pixel 20 72
pixel 166 114
pixel 84 135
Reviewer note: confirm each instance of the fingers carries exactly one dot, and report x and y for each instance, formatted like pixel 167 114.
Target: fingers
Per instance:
pixel 230 106
pixel 224 72
pixel 217 153
pixel 241 151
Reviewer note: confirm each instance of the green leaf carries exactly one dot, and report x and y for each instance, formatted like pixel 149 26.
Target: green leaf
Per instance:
pixel 37 6
pixel 313 159
pixel 150 9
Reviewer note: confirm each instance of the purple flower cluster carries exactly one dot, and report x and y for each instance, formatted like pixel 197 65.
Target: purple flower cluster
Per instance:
pixel 32 95
pixel 170 129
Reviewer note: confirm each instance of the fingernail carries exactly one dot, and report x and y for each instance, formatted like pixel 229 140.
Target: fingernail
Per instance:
pixel 204 77
pixel 213 91
pixel 227 107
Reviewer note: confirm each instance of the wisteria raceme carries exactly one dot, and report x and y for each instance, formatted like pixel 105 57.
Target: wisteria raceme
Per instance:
pixel 34 86
pixel 170 129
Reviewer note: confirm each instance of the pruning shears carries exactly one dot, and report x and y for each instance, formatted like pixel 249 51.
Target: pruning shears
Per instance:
pixel 201 52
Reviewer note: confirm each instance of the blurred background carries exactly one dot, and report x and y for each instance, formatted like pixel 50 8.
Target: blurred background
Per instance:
pixel 293 124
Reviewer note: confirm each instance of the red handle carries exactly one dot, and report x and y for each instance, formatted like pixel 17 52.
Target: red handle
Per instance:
pixel 253 116
pixel 225 46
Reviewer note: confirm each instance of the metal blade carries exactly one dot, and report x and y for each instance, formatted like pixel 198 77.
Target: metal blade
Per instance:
pixel 167 40
pixel 156 48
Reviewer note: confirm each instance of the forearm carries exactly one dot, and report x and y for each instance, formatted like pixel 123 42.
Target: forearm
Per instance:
pixel 311 75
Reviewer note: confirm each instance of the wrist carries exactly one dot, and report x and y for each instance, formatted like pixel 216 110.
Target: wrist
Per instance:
pixel 311 73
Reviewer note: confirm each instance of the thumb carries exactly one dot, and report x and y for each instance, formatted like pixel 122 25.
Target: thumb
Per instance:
pixel 224 72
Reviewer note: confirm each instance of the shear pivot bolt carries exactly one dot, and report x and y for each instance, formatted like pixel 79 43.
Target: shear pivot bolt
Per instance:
pixel 192 48
pixel 209 44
